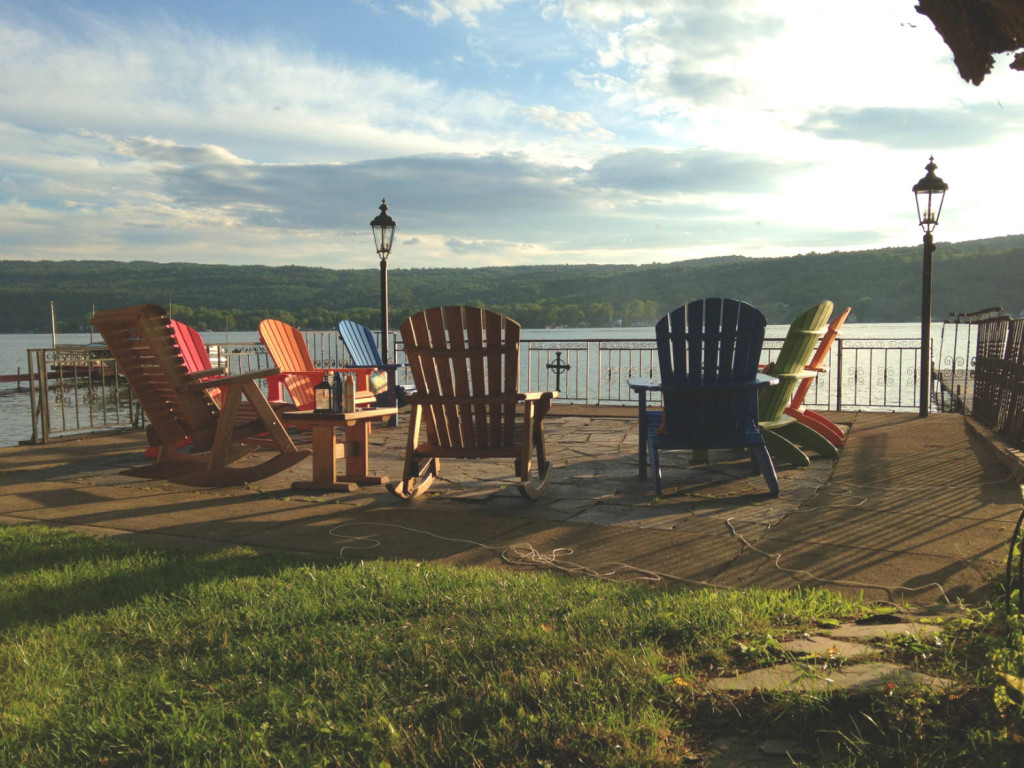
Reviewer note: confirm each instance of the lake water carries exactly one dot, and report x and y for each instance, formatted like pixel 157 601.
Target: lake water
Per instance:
pixel 15 406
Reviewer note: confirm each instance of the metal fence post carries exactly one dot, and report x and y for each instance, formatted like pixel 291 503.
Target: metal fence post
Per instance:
pixel 839 377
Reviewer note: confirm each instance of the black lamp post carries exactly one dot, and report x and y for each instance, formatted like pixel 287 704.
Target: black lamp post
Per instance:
pixel 929 193
pixel 383 234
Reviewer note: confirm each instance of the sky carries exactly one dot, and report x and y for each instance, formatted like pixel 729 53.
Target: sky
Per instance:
pixel 500 132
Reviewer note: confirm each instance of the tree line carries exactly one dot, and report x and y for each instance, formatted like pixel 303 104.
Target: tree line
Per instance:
pixel 882 285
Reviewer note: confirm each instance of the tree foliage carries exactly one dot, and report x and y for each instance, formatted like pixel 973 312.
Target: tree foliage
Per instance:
pixel 881 286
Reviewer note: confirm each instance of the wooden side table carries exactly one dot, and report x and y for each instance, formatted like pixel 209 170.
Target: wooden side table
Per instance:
pixel 327 449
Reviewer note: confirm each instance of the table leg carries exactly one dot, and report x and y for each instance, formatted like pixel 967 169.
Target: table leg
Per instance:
pixel 325 455
pixel 357 455
pixel 327 450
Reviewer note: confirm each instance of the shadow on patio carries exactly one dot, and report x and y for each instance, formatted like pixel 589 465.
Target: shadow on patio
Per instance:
pixel 917 510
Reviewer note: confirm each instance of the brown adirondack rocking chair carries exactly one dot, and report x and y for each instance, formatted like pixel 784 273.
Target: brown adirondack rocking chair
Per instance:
pixel 197 438
pixel 197 362
pixel 465 362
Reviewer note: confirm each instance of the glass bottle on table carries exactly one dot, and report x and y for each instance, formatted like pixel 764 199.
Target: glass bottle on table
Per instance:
pixel 350 394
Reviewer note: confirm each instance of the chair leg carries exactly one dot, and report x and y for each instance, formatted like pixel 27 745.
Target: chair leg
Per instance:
pixel 763 459
pixel 652 451
pixel 642 433
pixel 534 488
pixel 419 472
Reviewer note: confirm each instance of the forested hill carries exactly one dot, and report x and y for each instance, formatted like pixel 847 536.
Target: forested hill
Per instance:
pixel 881 286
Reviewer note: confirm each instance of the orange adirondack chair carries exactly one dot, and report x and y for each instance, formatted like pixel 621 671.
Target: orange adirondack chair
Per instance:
pixel 796 407
pixel 465 362
pixel 182 413
pixel 299 375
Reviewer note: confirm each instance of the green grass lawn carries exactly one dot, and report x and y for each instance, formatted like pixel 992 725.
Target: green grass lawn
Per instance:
pixel 116 655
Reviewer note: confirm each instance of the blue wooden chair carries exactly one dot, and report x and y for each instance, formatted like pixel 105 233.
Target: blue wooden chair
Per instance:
pixel 708 353
pixel 363 351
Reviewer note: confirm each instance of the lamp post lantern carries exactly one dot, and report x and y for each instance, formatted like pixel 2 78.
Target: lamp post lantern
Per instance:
pixel 929 193
pixel 383 235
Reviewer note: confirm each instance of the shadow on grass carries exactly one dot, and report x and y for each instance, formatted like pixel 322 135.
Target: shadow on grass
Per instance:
pixel 53 574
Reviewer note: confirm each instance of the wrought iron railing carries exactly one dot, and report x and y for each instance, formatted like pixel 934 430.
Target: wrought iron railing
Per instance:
pixel 77 390
pixel 863 374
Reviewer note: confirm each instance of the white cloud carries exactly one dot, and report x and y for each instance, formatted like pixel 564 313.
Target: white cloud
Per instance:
pixel 591 131
pixel 467 11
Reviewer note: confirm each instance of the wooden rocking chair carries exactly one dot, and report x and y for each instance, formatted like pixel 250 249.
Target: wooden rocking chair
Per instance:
pixel 196 437
pixel 465 363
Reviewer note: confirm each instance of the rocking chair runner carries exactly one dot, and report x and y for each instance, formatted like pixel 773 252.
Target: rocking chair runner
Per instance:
pixel 708 353
pixel 181 411
pixel 465 363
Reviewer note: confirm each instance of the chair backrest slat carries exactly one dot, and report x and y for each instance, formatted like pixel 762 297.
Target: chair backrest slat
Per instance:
pixel 820 356
pixel 705 349
pixel 468 355
pixel 288 349
pixel 359 342
pixel 148 355
pixel 797 349
pixel 460 419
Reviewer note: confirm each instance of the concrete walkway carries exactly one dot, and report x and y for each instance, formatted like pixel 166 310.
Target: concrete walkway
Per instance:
pixel 914 510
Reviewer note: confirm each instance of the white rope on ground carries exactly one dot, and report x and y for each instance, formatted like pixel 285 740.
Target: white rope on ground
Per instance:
pixel 526 554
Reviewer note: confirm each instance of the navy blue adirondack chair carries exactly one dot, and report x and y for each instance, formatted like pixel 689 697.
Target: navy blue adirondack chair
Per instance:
pixel 363 350
pixel 708 352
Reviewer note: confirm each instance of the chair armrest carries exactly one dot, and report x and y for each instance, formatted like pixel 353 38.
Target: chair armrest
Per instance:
pixel 235 378
pixel 760 380
pixel 381 367
pixel 528 396
pixel 219 371
pixel 798 375
pixel 644 383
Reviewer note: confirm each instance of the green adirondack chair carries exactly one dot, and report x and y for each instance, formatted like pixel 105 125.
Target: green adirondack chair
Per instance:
pixel 783 433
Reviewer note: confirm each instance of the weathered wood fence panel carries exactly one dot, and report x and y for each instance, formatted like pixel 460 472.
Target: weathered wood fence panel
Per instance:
pixel 999 383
